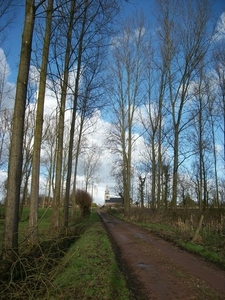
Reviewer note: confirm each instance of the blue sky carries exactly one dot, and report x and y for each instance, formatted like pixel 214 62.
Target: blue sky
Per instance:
pixel 12 45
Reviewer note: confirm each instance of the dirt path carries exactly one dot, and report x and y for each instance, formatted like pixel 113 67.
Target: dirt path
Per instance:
pixel 155 269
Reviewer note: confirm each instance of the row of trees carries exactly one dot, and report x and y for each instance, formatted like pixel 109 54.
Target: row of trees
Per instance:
pixel 167 89
pixel 66 42
pixel 164 86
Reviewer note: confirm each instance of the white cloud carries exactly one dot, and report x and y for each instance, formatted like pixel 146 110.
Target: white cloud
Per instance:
pixel 34 75
pixel 3 177
pixel 8 91
pixel 4 67
pixel 140 32
pixel 50 102
pixel 220 28
pixel 98 137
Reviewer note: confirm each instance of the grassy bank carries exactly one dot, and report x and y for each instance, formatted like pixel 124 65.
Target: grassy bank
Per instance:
pixel 89 270
pixel 85 269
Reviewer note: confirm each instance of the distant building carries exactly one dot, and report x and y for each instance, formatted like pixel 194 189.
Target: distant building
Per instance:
pixel 112 201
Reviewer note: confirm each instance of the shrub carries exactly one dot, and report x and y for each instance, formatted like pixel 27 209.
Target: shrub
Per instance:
pixel 83 200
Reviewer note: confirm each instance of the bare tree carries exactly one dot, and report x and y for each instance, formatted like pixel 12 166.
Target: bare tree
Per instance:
pixel 186 44
pixel 90 51
pixel 219 60
pixel 10 242
pixel 126 76
pixel 90 163
pixel 27 154
pixel 33 217
pixel 75 100
pixel 216 104
pixel 141 189
pixel 201 137
pixel 213 120
pixel 48 159
pixel 152 118
pixel 64 86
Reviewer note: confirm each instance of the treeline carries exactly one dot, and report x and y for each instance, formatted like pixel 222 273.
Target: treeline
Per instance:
pixel 167 93
pixel 63 47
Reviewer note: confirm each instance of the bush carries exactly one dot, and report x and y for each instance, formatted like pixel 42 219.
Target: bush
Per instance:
pixel 83 200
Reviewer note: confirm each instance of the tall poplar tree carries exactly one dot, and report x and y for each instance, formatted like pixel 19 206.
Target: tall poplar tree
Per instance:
pixel 10 241
pixel 127 74
pixel 60 133
pixel 33 216
pixel 183 28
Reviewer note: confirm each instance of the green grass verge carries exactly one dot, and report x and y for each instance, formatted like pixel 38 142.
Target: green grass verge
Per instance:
pixel 89 270
pixel 204 252
pixel 208 248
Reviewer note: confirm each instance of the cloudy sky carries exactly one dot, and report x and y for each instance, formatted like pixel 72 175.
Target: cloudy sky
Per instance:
pixel 9 58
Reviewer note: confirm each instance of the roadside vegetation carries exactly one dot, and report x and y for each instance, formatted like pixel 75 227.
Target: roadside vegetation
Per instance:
pixel 80 265
pixel 89 270
pixel 183 228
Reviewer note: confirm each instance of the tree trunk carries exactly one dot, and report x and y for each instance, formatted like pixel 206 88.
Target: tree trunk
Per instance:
pixel 175 169
pixel 75 98
pixel 33 216
pixel 196 235
pixel 25 190
pixel 10 241
pixel 154 174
